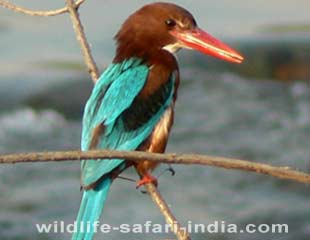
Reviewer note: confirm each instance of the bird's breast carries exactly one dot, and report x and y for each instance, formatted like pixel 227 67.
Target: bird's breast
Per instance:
pixel 157 141
pixel 160 135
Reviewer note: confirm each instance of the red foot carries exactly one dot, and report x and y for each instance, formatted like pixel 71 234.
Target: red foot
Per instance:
pixel 147 179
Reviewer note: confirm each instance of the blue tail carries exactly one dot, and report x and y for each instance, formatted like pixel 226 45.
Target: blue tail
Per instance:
pixel 90 210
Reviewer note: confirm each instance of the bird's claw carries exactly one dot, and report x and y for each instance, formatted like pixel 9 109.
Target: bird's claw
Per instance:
pixel 171 170
pixel 147 179
pixel 143 192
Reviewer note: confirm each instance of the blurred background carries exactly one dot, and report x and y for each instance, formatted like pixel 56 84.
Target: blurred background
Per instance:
pixel 257 111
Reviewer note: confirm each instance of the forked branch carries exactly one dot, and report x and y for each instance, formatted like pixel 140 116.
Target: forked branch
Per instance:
pixel 30 12
pixel 81 37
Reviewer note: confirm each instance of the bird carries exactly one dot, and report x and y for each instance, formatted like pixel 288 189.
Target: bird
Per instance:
pixel 131 106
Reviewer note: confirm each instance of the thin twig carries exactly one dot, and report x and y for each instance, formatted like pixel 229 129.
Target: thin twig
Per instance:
pixel 163 207
pixel 26 11
pixel 78 27
pixel 221 162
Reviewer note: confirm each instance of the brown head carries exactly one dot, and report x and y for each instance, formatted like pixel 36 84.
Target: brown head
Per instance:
pixel 166 26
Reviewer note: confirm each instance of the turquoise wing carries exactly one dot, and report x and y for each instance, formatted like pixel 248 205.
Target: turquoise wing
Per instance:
pixel 113 94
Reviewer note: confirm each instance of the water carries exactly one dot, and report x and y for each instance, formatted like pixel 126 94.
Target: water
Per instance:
pixel 221 114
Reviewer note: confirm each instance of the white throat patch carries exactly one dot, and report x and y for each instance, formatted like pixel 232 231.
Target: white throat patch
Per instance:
pixel 173 48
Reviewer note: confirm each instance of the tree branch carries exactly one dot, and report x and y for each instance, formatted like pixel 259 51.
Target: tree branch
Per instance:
pixel 78 27
pixel 26 11
pixel 220 162
pixel 170 219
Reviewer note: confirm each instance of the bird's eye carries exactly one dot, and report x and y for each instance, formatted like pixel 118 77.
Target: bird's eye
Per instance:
pixel 170 23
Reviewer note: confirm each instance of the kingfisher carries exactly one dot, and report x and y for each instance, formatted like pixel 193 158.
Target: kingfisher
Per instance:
pixel 131 106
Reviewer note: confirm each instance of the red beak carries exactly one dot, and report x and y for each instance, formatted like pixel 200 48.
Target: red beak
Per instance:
pixel 200 40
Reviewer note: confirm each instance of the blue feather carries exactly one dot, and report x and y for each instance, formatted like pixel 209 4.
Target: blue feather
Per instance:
pixel 90 210
pixel 113 93
pixel 128 80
